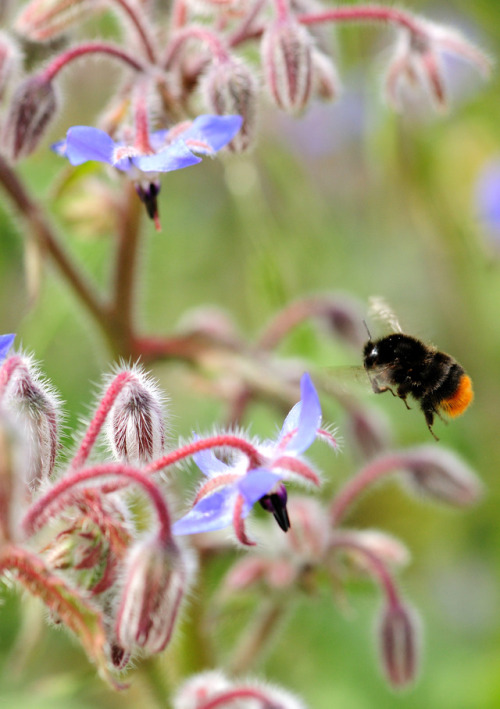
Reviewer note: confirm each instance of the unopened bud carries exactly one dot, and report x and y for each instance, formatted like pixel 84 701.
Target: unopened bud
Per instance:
pixel 42 20
pixel 156 579
pixel 230 88
pixel 326 82
pixel 135 425
pixel 441 475
pixel 399 640
pixel 286 53
pixel 309 533
pixel 33 106
pixel 384 546
pixel 37 409
pixel 212 689
pixel 370 431
pixel 10 60
pixel 13 445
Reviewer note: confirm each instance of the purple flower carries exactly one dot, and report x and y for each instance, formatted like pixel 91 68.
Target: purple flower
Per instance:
pixel 5 345
pixel 167 151
pixel 231 490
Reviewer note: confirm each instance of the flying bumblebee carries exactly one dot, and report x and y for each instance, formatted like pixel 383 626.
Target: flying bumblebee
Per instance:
pixel 434 379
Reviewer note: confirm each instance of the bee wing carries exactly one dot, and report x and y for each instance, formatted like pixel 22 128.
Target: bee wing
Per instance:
pixel 342 381
pixel 379 309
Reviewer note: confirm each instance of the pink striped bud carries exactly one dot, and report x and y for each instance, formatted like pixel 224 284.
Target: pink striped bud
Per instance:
pixel 32 108
pixel 135 425
pixel 399 642
pixel 441 475
pixel 156 578
pixel 229 87
pixel 37 409
pixel 42 20
pixel 286 54
pixel 200 688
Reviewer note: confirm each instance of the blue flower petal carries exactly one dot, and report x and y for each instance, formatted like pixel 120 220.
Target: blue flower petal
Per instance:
pixel 172 157
pixel 216 131
pixel 85 143
pixel 212 512
pixel 6 342
pixel 309 417
pixel 256 484
pixel 209 464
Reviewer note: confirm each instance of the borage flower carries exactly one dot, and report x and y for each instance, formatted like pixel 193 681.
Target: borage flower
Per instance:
pixel 232 489
pixel 164 151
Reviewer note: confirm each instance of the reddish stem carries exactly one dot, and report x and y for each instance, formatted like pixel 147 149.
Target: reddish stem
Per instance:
pixel 97 422
pixel 221 441
pixel 364 13
pixel 89 48
pixel 216 46
pixel 366 477
pixel 35 516
pixel 378 568
pixel 140 27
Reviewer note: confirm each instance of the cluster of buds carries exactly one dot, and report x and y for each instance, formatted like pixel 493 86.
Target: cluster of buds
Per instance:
pixel 199 66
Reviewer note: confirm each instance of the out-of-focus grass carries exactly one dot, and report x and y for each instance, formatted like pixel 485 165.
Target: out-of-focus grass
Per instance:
pixel 385 206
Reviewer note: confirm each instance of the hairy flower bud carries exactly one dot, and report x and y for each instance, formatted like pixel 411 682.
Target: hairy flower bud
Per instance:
pixel 156 579
pixel 230 88
pixel 286 54
pixel 13 445
pixel 33 106
pixel 326 82
pixel 212 689
pixel 443 476
pixel 135 426
pixel 399 644
pixel 37 409
pixel 42 20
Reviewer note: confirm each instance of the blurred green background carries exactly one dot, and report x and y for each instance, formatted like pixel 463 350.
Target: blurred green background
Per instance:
pixel 350 198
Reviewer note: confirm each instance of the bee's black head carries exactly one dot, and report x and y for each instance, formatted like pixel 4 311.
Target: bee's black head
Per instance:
pixel 370 354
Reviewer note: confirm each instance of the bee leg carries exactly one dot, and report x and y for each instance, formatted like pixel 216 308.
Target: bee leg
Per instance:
pixel 380 389
pixel 402 393
pixel 429 417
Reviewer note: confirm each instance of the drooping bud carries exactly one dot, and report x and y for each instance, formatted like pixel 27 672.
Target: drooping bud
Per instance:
pixel 37 409
pixel 326 82
pixel 384 546
pixel 42 20
pixel 156 579
pixel 441 475
pixel 230 88
pixel 10 60
pixel 286 54
pixel 135 425
pixel 32 108
pixel 211 690
pixel 399 642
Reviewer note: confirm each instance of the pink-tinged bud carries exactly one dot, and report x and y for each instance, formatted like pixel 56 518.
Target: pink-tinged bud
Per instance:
pixel 37 409
pixel 286 54
pixel 245 573
pixel 326 81
pixel 10 60
pixel 441 475
pixel 156 579
pixel 33 106
pixel 211 690
pixel 399 642
pixel 230 88
pixel 384 546
pixel 369 429
pixel 42 20
pixel 135 426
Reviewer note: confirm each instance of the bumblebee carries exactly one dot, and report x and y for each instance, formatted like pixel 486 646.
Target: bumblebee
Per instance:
pixel 434 379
